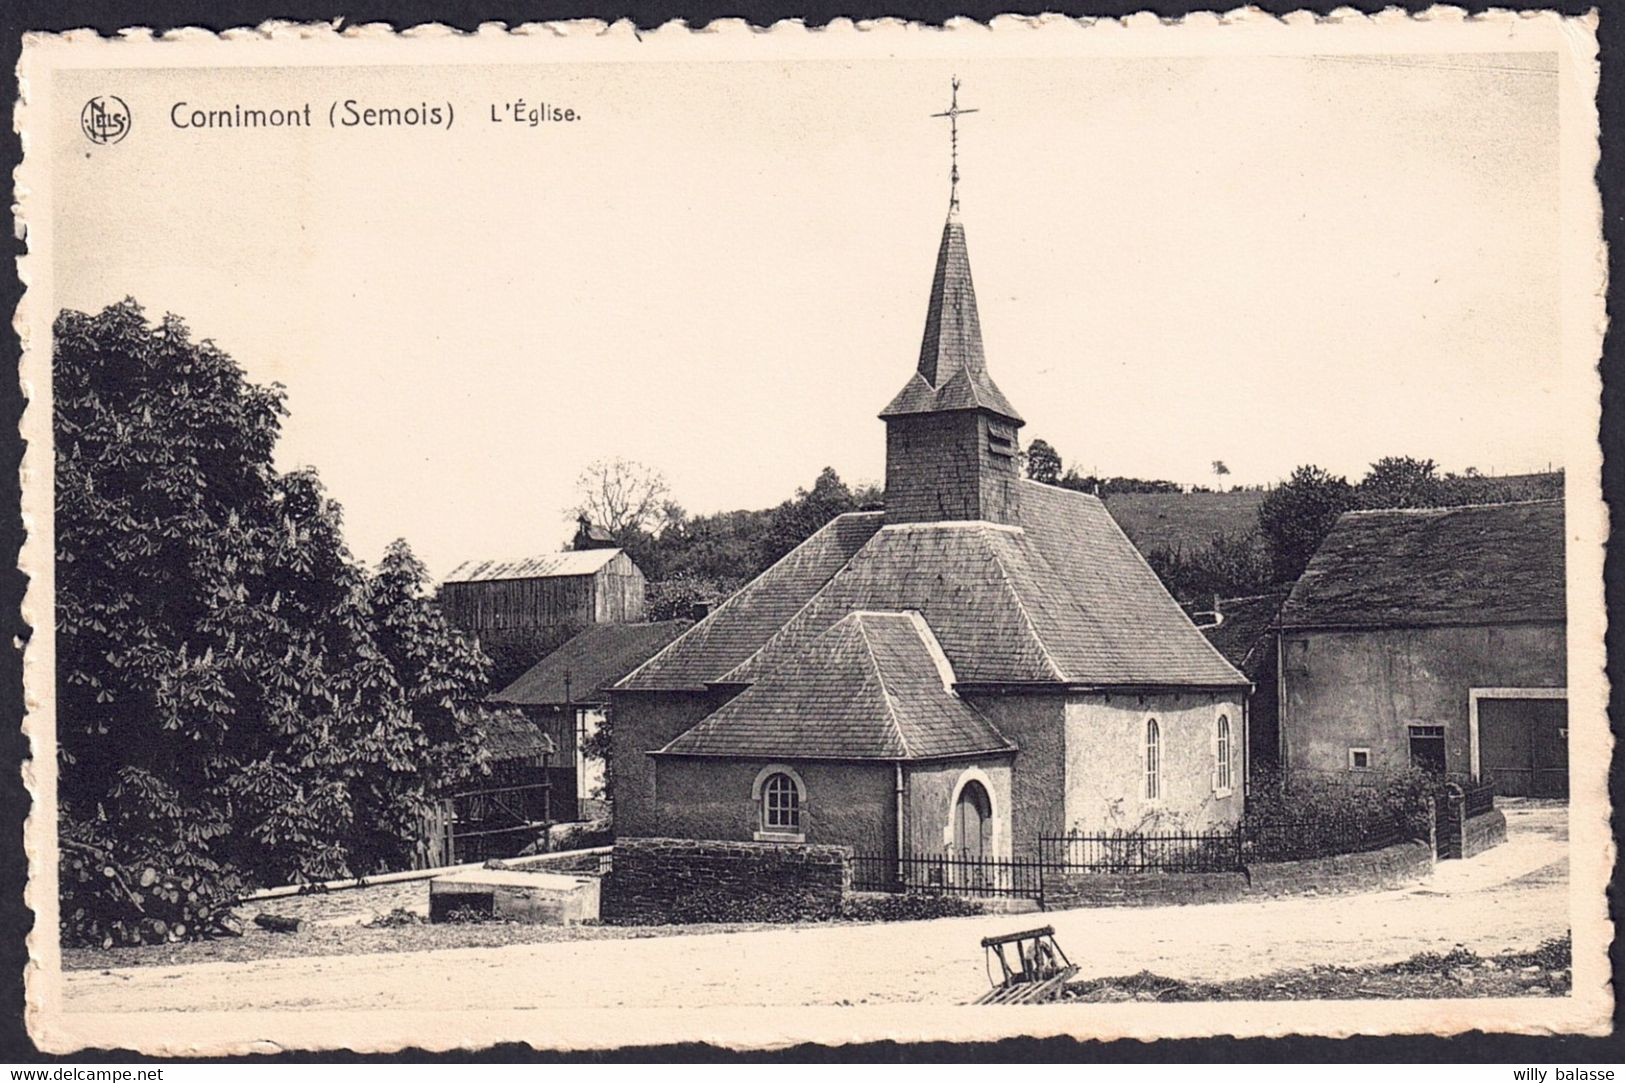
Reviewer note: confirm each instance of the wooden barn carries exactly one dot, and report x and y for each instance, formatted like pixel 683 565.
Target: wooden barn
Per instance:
pixel 521 610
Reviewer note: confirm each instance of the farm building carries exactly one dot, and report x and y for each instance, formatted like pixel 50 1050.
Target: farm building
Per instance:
pixel 987 660
pixel 566 694
pixel 504 808
pixel 522 609
pixel 1431 637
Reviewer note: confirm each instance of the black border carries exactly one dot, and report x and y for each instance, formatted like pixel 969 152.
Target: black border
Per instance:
pixel 108 17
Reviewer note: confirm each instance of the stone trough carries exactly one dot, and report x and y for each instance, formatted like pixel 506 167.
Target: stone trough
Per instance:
pixel 530 898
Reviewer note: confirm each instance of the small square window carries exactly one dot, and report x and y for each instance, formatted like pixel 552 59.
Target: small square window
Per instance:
pixel 1359 759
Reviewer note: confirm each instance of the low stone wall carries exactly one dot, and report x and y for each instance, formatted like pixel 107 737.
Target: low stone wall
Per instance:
pixel 1483 832
pixel 1390 867
pixel 1066 891
pixel 656 881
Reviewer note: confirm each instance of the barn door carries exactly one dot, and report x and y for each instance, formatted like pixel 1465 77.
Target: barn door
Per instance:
pixel 1524 744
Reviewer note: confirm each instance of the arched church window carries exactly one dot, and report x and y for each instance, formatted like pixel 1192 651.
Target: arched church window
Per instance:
pixel 1224 772
pixel 1153 760
pixel 781 804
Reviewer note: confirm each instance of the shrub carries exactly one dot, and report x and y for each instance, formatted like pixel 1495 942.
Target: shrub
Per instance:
pixel 1320 814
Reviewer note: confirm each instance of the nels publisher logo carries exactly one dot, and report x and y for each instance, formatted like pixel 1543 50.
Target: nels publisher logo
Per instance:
pixel 105 119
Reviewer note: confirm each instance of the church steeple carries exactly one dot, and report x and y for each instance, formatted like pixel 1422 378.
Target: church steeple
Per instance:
pixel 951 450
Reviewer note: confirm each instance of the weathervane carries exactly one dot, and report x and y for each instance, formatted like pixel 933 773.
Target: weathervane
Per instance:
pixel 953 114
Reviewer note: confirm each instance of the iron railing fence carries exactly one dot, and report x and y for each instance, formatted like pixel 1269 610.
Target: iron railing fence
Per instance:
pixel 961 873
pixel 1300 840
pixel 1222 849
pixel 1216 850
pixel 1478 797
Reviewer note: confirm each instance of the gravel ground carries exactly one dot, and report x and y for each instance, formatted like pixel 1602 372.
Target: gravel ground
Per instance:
pixel 1513 898
pixel 354 939
pixel 1543 972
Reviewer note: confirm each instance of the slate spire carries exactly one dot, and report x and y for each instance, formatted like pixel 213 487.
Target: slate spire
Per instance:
pixel 952 370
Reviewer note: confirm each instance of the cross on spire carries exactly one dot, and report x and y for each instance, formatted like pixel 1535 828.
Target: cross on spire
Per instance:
pixel 953 114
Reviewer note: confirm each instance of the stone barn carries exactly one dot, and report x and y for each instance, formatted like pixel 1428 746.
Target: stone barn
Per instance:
pixel 987 660
pixel 1432 638
pixel 523 609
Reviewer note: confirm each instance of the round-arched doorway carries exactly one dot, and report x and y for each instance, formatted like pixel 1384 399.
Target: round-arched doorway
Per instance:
pixel 973 822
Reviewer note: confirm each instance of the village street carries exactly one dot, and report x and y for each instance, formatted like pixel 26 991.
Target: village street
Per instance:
pixel 1512 897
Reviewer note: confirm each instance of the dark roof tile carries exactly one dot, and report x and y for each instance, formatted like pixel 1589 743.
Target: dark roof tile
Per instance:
pixel 587 664
pixel 741 624
pixel 1064 598
pixel 871 686
pixel 1431 566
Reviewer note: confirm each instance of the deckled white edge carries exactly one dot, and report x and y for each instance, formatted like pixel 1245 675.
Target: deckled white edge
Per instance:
pixel 1588 1011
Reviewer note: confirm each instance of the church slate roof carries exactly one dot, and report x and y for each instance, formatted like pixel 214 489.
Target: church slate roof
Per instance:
pixel 735 629
pixel 1417 567
pixel 1063 598
pixel 952 371
pixel 589 662
pixel 870 686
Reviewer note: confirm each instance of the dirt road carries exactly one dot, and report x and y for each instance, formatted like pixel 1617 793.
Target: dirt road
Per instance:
pixel 1512 897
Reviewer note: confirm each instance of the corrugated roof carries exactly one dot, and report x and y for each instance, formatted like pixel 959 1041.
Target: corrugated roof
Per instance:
pixel 568 563
pixel 1064 598
pixel 1429 566
pixel 590 662
pixel 952 371
pixel 871 686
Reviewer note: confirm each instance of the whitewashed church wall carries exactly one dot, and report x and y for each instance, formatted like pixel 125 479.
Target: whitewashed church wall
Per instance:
pixel 934 787
pixel 1106 777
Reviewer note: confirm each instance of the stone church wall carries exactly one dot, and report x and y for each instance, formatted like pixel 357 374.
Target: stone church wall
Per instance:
pixel 932 790
pixel 643 721
pixel 1037 725
pixel 845 804
pixel 1105 754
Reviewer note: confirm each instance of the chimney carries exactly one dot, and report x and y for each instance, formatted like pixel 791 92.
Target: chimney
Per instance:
pixel 700 610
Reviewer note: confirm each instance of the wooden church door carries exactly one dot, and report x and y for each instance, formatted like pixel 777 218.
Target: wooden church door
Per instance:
pixel 973 823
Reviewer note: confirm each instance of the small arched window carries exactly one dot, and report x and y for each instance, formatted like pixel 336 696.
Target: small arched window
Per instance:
pixel 781 804
pixel 1223 774
pixel 1153 760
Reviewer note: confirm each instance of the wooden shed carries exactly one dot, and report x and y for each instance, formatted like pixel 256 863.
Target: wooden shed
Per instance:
pixel 522 609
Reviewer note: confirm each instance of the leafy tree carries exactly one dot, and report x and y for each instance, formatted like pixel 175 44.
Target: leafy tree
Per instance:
pixel 1297 515
pixel 1399 481
pixel 1220 469
pixel 675 598
pixel 1043 462
pixel 797 519
pixel 237 700
pixel 1228 565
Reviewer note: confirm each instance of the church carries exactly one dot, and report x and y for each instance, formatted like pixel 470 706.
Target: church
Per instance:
pixel 985 661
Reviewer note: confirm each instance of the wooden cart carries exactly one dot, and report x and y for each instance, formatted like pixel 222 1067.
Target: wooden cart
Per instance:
pixel 1032 966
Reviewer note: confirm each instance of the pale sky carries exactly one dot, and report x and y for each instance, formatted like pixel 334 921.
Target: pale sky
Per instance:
pixel 722 269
